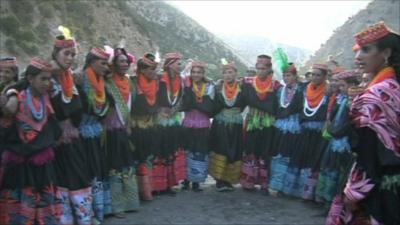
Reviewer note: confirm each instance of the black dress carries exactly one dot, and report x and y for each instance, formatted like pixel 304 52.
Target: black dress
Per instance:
pixel 169 122
pixel 227 136
pixel 28 189
pixel 258 134
pixel 196 128
pixel 287 136
pixel 144 131
pixel 70 153
pixel 305 161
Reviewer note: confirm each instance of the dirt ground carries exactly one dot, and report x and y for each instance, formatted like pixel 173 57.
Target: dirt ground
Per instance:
pixel 227 208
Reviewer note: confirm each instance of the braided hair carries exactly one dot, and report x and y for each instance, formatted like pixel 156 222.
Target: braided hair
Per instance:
pixel 391 41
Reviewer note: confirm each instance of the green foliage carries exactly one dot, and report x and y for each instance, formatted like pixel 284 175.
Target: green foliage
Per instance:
pixel 46 9
pixel 43 31
pixel 56 6
pixel 30 48
pixel 9 25
pixel 134 17
pixel 26 35
pixel 10 45
pixel 23 9
pixel 79 18
pixel 22 36
pixel 79 10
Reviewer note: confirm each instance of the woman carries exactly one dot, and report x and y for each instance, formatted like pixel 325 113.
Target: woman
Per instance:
pixel 226 130
pixel 8 72
pixel 287 122
pixel 70 160
pixel 28 191
pixel 95 108
pixel 260 95
pixel 371 195
pixel 169 165
pixel 337 156
pixel 198 107
pixel 119 148
pixel 8 97
pixel 305 162
pixel 144 112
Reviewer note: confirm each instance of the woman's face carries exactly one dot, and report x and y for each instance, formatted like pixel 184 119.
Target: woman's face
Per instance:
pixel 176 67
pixel 307 76
pixel 197 74
pixel 6 75
pixel 150 73
pixel 263 70
pixel 334 85
pixel 66 57
pixel 343 86
pixel 229 74
pixel 370 59
pixel 289 78
pixel 317 77
pixel 100 67
pixel 122 64
pixel 40 83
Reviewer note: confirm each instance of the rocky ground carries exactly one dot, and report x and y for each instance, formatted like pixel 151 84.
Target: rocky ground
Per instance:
pixel 212 207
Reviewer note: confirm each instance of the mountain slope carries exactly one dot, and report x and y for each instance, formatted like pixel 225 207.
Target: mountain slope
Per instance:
pixel 339 45
pixel 249 46
pixel 27 26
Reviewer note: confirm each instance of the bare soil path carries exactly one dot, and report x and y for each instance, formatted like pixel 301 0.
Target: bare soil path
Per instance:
pixel 228 208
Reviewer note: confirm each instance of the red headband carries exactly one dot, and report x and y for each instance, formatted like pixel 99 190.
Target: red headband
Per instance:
pixel 198 64
pixel 99 52
pixel 70 43
pixel 41 64
pixel 8 62
pixel 320 66
pixel 230 65
pixel 171 57
pixel 372 33
pixel 346 74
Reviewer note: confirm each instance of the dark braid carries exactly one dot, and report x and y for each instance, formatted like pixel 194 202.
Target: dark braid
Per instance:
pixel 391 41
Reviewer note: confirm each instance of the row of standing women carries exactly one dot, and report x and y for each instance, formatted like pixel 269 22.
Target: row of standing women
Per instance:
pixel 78 146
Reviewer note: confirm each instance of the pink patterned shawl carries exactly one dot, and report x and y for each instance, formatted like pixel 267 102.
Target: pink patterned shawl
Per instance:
pixel 379 109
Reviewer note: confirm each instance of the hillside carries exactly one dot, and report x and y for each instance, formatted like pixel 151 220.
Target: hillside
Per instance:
pixel 27 28
pixel 249 46
pixel 339 45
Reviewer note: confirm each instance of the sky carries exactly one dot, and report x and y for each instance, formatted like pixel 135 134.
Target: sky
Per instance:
pixel 306 24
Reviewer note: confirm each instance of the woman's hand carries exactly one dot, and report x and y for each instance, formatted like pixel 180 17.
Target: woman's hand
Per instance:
pixel 350 205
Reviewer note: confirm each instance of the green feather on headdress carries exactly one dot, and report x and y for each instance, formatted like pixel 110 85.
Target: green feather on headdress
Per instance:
pixel 281 59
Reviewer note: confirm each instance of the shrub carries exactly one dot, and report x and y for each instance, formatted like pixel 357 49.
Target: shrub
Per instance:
pixel 23 9
pixel 30 48
pixel 46 9
pixel 25 35
pixel 43 31
pixel 9 25
pixel 10 45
